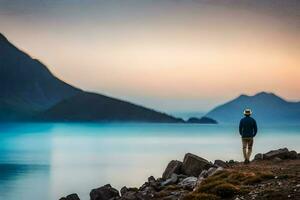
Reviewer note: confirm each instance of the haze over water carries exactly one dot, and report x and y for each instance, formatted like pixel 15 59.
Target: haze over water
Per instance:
pixel 48 161
pixel 173 56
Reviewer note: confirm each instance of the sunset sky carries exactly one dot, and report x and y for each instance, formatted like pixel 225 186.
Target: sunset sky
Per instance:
pixel 169 55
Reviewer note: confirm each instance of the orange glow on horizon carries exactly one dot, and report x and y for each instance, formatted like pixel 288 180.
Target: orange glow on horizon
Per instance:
pixel 191 56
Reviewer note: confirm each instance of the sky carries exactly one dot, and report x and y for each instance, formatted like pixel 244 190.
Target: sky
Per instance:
pixel 170 55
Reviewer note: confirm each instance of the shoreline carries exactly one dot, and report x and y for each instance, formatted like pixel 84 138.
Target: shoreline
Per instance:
pixel 271 175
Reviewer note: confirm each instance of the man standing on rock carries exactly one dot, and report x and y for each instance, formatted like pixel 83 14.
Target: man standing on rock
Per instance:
pixel 248 130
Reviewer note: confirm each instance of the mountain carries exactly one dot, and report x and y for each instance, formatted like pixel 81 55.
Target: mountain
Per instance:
pixel 29 91
pixel 267 108
pixel 26 85
pixel 94 107
pixel 202 120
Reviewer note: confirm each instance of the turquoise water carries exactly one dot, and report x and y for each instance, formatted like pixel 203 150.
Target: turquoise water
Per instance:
pixel 48 161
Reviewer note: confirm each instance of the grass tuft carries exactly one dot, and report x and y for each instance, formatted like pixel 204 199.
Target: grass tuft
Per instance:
pixel 226 190
pixel 228 183
pixel 201 196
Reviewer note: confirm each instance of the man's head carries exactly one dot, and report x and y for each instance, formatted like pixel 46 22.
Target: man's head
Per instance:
pixel 247 112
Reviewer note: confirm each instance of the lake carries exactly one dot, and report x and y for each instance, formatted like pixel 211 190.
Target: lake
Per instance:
pixel 50 160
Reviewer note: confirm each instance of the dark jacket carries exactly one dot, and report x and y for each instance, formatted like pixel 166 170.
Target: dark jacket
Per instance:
pixel 248 127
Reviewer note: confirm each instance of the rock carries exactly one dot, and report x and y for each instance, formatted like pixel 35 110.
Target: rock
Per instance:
pixel 146 184
pixel 194 165
pixel 153 183
pixel 211 171
pixel 125 190
pixel 159 180
pixel 174 167
pixel 203 174
pixel 151 179
pixel 105 192
pixel 206 173
pixel 70 197
pixel 231 162
pixel 218 169
pixel 276 159
pixel 128 193
pixel 181 177
pixel 145 194
pixel 170 181
pixel 280 153
pixel 221 163
pixel 293 155
pixel 129 196
pixel 188 183
pixel 259 156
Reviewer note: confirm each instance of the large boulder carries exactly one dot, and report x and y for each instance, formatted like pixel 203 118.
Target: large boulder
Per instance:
pixel 280 153
pixel 70 197
pixel 193 165
pixel 105 192
pixel 174 167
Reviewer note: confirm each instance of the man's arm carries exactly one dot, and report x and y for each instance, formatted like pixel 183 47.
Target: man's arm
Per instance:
pixel 241 127
pixel 254 127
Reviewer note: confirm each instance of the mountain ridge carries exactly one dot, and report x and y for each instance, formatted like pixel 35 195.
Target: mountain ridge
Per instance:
pixel 27 86
pixel 29 90
pixel 98 107
pixel 267 108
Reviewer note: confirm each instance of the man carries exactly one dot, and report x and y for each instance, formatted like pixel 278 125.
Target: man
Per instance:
pixel 248 130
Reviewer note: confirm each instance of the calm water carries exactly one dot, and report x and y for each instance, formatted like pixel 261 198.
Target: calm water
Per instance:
pixel 48 161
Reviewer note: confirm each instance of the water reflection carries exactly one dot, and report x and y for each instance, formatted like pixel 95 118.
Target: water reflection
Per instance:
pixel 18 181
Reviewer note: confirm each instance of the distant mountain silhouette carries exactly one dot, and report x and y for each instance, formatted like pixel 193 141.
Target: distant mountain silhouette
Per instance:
pixel 267 108
pixel 202 120
pixel 29 91
pixel 94 107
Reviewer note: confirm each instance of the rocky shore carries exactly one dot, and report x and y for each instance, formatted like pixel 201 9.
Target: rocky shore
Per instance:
pixel 273 175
